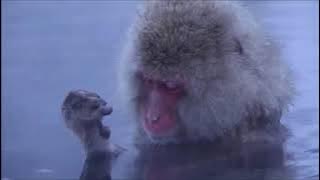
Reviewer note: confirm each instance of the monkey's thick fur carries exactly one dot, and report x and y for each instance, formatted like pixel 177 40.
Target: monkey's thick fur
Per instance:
pixel 237 84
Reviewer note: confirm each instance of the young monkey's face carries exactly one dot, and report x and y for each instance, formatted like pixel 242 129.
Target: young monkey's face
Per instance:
pixel 83 106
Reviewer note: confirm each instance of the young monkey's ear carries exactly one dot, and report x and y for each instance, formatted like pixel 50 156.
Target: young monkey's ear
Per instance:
pixel 72 100
pixel 73 93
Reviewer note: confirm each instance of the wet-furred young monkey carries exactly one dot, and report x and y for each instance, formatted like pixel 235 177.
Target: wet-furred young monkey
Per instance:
pixel 201 70
pixel 83 112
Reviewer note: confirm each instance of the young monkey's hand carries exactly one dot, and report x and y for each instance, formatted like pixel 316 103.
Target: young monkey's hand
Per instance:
pixel 104 130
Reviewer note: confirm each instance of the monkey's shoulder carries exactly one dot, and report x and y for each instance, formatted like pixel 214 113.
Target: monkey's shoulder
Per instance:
pixel 269 132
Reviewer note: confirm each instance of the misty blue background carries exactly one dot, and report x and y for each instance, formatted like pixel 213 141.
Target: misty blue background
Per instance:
pixel 51 47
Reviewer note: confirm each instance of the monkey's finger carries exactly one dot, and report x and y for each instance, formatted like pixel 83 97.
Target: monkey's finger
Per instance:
pixel 105 132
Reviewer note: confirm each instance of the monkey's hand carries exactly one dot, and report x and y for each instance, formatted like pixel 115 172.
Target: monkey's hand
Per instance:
pixel 104 131
pixel 115 150
pixel 274 137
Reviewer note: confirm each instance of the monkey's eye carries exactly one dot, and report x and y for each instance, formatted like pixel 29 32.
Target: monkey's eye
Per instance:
pixel 77 106
pixel 94 107
pixel 147 82
pixel 172 87
pixel 144 79
pixel 139 75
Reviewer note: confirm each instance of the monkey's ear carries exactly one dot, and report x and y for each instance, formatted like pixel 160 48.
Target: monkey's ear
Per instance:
pixel 76 106
pixel 72 93
pixel 238 46
pixel 71 99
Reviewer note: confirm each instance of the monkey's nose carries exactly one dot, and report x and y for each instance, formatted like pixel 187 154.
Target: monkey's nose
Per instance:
pixel 154 118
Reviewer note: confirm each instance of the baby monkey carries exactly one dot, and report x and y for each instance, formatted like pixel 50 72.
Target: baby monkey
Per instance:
pixel 83 112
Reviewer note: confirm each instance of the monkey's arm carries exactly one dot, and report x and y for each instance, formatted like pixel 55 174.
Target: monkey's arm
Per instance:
pixel 100 154
pixel 97 166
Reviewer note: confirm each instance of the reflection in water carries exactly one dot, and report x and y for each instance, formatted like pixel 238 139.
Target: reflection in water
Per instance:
pixel 202 161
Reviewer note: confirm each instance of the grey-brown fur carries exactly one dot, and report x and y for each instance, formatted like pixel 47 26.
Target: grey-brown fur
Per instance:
pixel 238 86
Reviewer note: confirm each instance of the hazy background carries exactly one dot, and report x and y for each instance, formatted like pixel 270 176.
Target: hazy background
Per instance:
pixel 51 47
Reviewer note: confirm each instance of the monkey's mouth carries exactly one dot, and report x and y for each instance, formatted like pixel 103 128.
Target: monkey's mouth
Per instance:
pixel 106 110
pixel 161 126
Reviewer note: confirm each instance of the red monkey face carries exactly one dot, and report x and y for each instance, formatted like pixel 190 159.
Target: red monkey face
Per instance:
pixel 158 105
